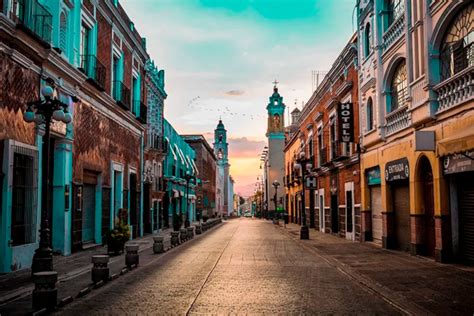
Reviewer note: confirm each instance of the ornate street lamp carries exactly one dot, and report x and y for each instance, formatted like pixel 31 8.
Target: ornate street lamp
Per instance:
pixel 188 177
pixel 275 184
pixel 302 161
pixel 44 111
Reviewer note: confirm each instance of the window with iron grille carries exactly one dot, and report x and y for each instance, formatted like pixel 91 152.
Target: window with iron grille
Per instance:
pixel 457 52
pixel 396 10
pixel 399 85
pixel 24 196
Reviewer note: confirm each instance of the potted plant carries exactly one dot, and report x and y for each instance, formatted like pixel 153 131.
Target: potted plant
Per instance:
pixel 117 237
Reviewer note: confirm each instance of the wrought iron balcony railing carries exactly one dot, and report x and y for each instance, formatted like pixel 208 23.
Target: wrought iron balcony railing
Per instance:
pixel 33 17
pixel 94 70
pixel 121 94
pixel 338 151
pixel 156 142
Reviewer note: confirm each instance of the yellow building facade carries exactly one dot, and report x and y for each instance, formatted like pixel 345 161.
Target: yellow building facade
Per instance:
pixel 293 183
pixel 416 81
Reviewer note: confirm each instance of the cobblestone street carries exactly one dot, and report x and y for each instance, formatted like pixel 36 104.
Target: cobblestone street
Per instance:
pixel 244 266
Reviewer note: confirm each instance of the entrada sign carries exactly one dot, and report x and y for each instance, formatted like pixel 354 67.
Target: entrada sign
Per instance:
pixel 397 170
pixel 345 115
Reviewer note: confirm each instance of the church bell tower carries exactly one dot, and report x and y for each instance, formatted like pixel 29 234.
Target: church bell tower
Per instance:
pixel 276 142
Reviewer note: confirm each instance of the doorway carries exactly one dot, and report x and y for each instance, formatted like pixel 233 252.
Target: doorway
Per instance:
pixel 349 190
pixel 334 214
pixel 426 177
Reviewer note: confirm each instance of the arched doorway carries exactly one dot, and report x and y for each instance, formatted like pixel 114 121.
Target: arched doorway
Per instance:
pixel 425 174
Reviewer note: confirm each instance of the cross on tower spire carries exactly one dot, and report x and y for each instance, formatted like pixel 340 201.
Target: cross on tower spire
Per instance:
pixel 275 83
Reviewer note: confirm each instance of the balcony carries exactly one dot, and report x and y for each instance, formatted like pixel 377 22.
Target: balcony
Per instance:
pixel 94 70
pixel 393 32
pixel 338 151
pixel 121 94
pixel 33 18
pixel 397 120
pixel 455 90
pixel 157 143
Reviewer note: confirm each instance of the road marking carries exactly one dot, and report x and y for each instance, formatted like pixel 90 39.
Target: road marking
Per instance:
pixel 210 272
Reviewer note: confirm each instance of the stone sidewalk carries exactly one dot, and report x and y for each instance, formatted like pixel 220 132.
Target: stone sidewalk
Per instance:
pixel 74 274
pixel 415 284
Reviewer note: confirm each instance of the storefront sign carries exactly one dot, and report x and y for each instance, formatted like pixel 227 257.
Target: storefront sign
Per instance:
pixel 373 176
pixel 397 170
pixel 345 115
pixel 310 183
pixel 459 162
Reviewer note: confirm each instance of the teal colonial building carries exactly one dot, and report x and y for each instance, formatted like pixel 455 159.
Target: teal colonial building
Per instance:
pixel 99 69
pixel 179 162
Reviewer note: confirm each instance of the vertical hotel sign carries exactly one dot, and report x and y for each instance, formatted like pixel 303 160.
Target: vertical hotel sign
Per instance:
pixel 345 113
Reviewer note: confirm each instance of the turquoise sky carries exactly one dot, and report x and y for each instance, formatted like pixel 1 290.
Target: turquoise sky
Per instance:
pixel 228 52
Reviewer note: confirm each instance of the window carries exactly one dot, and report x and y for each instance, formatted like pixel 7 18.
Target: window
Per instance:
pixel 135 96
pixel 63 32
pixel 370 115
pixel 321 149
pixel 333 136
pixel 23 229
pixel 84 47
pixel 367 40
pixel 398 93
pixel 396 9
pixel 457 51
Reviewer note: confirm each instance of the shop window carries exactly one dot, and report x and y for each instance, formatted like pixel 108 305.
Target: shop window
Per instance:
pixel 24 203
pixel 457 51
pixel 370 115
pixel 398 88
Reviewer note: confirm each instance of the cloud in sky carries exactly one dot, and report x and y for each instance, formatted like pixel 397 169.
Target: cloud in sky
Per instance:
pixel 235 92
pixel 208 47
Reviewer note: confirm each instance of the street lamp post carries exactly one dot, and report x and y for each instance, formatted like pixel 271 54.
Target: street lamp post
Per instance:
pixel 44 111
pixel 188 178
pixel 275 184
pixel 304 165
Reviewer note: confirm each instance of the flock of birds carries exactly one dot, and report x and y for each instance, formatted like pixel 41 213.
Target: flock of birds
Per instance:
pixel 222 111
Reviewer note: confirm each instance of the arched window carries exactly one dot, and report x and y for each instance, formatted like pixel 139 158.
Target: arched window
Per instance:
pixel 398 88
pixel 457 50
pixel 370 115
pixel 367 40
pixel 63 32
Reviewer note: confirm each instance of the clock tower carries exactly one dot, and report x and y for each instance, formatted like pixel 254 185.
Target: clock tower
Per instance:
pixel 276 142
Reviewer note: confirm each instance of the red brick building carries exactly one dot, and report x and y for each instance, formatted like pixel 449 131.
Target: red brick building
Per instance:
pixel 334 206
pixel 206 164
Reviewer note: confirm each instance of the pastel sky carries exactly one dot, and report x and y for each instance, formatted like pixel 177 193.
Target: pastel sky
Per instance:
pixel 221 57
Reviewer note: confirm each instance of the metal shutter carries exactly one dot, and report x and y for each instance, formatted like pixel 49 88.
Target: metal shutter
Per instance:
pixel 466 223
pixel 376 208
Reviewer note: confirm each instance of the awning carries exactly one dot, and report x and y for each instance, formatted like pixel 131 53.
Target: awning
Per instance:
pixel 179 153
pixel 457 143
pixel 171 147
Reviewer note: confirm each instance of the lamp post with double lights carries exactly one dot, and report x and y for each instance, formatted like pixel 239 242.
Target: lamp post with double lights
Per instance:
pixel 45 111
pixel 303 166
pixel 188 177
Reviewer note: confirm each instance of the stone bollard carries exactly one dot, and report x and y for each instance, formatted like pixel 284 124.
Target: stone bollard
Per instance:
pixel 198 229
pixel 100 268
pixel 132 256
pixel 190 232
pixel 183 233
pixel 174 239
pixel 158 246
pixel 45 294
